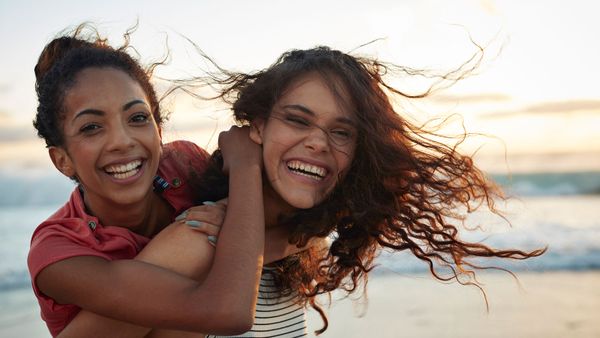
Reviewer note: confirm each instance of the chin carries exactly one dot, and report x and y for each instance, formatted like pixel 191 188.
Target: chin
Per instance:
pixel 304 202
pixel 296 198
pixel 303 205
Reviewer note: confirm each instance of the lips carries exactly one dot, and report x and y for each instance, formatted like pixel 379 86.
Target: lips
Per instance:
pixel 123 171
pixel 308 170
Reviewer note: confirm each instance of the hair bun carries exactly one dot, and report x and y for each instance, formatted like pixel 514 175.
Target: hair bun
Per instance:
pixel 54 52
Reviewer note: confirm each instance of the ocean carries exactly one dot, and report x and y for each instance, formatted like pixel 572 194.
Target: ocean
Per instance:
pixel 557 211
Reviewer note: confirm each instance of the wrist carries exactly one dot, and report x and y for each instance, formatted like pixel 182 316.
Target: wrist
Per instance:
pixel 246 170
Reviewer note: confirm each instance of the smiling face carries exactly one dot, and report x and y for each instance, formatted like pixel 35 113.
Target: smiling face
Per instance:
pixel 112 142
pixel 308 143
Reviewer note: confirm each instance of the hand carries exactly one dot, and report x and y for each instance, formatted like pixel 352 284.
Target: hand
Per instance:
pixel 206 218
pixel 238 150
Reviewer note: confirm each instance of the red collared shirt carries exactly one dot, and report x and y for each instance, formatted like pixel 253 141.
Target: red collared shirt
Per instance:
pixel 71 232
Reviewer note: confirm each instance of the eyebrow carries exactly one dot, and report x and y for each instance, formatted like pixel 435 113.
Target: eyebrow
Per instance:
pixel 98 112
pixel 341 119
pixel 132 103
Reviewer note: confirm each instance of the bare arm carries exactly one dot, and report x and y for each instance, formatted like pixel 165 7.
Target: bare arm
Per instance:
pixel 177 248
pixel 184 251
pixel 151 296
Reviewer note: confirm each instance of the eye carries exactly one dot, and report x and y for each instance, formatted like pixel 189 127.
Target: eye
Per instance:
pixel 341 136
pixel 89 128
pixel 139 118
pixel 297 121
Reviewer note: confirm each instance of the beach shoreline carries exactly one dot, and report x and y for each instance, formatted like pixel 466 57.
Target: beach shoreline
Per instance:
pixel 542 304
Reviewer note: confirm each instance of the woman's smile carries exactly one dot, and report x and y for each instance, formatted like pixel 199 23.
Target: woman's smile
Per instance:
pixel 127 172
pixel 314 173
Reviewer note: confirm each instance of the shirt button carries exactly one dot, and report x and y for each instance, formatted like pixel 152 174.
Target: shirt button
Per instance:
pixel 176 182
pixel 92 225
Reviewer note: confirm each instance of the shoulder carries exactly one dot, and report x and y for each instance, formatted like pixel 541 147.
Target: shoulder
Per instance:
pixel 183 149
pixel 183 157
pixel 71 216
pixel 182 165
pixel 71 232
pixel 64 234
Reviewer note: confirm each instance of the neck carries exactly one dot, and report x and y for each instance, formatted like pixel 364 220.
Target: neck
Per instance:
pixel 145 218
pixel 274 207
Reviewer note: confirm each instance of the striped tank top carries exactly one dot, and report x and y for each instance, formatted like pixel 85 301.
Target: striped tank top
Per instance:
pixel 275 317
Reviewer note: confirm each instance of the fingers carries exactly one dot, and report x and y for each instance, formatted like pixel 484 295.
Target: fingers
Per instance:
pixel 222 202
pixel 206 218
pixel 209 211
pixel 238 149
pixel 214 216
pixel 206 228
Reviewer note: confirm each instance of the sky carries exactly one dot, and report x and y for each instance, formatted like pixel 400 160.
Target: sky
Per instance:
pixel 535 94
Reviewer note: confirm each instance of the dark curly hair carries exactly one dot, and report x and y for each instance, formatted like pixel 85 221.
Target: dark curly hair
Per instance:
pixel 403 191
pixel 60 62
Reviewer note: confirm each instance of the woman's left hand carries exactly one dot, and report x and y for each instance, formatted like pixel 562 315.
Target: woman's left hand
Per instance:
pixel 206 218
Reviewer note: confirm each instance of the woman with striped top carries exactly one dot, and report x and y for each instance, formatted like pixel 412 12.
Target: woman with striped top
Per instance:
pixel 341 162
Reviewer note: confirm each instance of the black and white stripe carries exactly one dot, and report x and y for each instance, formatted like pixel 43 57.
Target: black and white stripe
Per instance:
pixel 275 317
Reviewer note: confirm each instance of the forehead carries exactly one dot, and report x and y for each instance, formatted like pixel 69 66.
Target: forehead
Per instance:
pixel 99 88
pixel 320 95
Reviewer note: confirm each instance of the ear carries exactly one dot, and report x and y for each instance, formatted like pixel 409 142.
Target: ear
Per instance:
pixel 256 130
pixel 62 161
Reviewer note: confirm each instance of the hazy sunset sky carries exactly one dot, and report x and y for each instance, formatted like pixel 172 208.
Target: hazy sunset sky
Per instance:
pixel 536 91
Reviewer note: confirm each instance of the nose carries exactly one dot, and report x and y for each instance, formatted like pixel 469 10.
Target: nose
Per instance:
pixel 317 140
pixel 119 138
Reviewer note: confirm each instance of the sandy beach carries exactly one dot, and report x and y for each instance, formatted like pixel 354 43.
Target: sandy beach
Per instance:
pixel 553 304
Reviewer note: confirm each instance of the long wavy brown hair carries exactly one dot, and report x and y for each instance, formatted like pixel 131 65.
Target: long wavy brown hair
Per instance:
pixel 405 190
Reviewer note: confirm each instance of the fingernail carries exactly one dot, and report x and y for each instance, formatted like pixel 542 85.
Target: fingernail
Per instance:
pixel 209 203
pixel 212 240
pixel 193 224
pixel 181 216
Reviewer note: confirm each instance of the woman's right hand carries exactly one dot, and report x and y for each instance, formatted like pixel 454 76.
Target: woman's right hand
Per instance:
pixel 238 150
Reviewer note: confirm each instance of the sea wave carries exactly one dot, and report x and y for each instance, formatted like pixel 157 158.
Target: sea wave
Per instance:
pixel 569 226
pixel 29 188
pixel 50 188
pixel 550 184
pixel 14 279
pixel 405 263
pixel 552 260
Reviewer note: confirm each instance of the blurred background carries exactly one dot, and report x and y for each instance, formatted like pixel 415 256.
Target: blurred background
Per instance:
pixel 533 102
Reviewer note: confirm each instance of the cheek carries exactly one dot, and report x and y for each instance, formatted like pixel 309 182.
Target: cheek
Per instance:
pixel 83 153
pixel 275 145
pixel 151 138
pixel 344 160
pixel 271 158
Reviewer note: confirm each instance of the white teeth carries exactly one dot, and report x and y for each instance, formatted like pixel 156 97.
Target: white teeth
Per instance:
pixel 122 171
pixel 307 170
pixel 124 175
